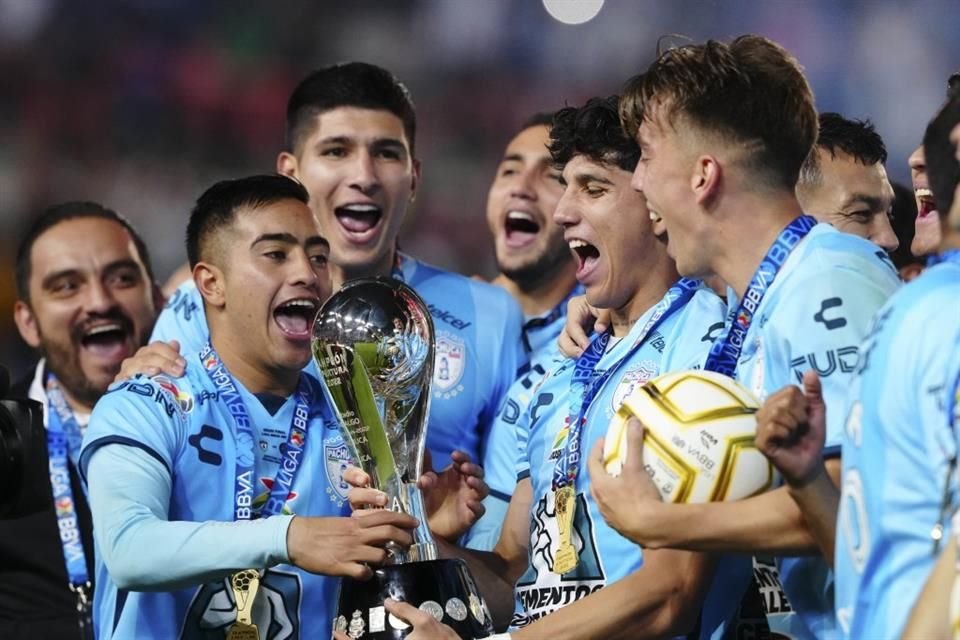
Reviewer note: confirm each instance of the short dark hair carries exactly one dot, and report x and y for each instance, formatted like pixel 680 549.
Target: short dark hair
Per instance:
pixel 61 213
pixel 594 131
pixel 539 119
pixel 351 84
pixel 218 205
pixel 943 170
pixel 856 138
pixel 748 91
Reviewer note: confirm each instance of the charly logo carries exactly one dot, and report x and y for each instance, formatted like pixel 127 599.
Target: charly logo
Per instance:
pixel 540 591
pixel 634 378
pixel 448 366
pixel 336 457
pixel 213 609
pixel 182 398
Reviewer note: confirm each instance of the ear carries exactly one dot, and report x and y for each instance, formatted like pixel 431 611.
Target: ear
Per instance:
pixel 210 283
pixel 705 180
pixel 415 179
pixel 287 164
pixel 26 323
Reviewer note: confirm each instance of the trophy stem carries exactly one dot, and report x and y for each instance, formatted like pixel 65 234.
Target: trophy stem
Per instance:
pixel 423 547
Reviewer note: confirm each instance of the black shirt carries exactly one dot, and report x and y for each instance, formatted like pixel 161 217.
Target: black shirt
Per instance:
pixel 35 598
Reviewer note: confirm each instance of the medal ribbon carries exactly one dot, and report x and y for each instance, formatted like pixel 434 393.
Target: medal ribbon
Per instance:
pixel 63 441
pixel 586 383
pixel 291 451
pixel 725 352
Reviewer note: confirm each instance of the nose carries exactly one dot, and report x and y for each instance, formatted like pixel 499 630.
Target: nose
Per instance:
pixel 522 185
pixel 565 214
pixel 302 272
pixel 883 235
pixel 364 173
pixel 636 180
pixel 99 297
pixel 917 161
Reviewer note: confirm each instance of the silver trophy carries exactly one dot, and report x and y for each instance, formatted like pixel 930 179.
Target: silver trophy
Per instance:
pixel 373 342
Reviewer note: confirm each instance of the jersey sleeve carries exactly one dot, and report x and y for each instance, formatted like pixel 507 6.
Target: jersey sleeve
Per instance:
pixel 823 319
pixel 510 357
pixel 129 497
pixel 183 319
pixel 690 339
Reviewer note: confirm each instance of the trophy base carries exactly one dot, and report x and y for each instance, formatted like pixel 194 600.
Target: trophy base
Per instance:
pixel 443 588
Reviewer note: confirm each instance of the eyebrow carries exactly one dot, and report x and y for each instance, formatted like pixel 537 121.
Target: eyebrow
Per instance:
pixel 583 178
pixel 289 238
pixel 124 263
pixel 376 142
pixel 874 203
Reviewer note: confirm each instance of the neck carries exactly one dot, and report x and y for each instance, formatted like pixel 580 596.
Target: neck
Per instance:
pixel 251 373
pixel 537 297
pixel 76 405
pixel 339 275
pixel 950 241
pixel 743 239
pixel 656 281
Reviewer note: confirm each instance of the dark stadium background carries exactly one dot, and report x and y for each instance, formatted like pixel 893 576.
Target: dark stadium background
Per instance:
pixel 140 104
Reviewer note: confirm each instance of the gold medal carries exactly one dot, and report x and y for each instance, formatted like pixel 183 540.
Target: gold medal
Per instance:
pixel 245 585
pixel 565 503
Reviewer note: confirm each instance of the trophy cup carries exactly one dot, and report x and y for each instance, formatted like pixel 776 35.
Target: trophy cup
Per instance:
pixel 373 343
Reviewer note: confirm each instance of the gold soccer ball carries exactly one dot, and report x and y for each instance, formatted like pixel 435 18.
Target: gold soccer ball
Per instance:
pixel 699 439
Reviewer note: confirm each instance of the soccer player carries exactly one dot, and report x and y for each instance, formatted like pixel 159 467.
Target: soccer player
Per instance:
pixel 351 142
pixel 843 181
pixel 724 129
pixel 573 575
pixel 539 270
pixel 179 470
pixel 86 299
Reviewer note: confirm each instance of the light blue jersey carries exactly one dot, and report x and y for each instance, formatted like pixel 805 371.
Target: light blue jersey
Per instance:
pixel 896 450
pixel 813 316
pixel 479 351
pixel 160 457
pixel 680 342
pixel 500 459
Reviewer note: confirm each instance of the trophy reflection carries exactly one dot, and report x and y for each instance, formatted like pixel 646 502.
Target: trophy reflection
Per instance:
pixel 373 343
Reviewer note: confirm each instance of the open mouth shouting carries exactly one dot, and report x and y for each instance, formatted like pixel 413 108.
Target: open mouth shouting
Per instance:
pixel 295 318
pixel 925 205
pixel 588 256
pixel 107 339
pixel 521 228
pixel 359 221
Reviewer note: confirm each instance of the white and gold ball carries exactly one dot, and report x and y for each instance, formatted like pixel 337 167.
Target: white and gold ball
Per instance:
pixel 699 439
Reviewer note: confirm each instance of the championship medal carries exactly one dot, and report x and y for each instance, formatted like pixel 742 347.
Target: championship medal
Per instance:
pixel 245 585
pixel 565 502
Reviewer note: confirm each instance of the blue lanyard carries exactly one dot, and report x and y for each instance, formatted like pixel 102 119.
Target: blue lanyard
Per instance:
pixel 291 452
pixel 725 352
pixel 586 383
pixel 63 441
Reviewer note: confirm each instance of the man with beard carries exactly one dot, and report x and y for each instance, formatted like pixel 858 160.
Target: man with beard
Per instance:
pixel 86 300
pixel 539 270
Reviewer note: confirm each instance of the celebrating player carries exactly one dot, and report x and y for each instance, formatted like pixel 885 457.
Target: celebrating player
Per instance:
pixel 538 269
pixel 724 129
pixel 843 181
pixel 350 141
pixel 179 470
pixel 86 300
pixel 573 575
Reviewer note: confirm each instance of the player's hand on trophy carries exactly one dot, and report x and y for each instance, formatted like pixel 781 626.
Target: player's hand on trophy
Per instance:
pixel 425 626
pixel 347 546
pixel 152 359
pixel 628 502
pixel 453 498
pixel 580 317
pixel 791 429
